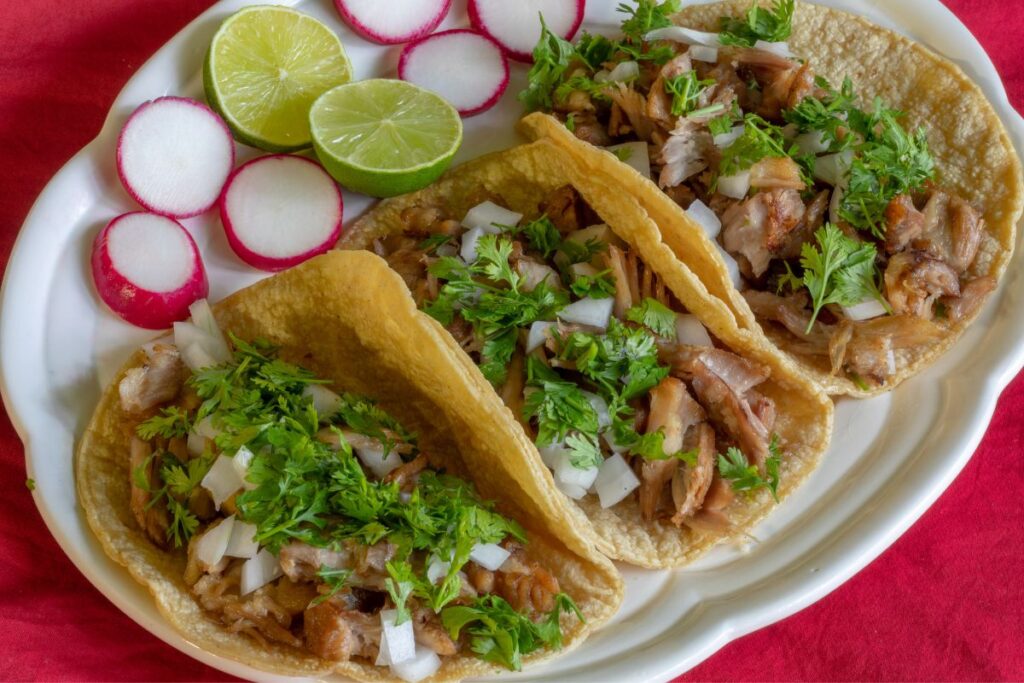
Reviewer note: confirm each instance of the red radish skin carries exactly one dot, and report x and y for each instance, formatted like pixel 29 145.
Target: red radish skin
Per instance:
pixel 177 172
pixel 136 290
pixel 270 201
pixel 464 67
pixel 393 22
pixel 515 25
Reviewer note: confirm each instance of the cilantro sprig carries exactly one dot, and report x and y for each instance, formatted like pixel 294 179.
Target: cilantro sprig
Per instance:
pixel 686 90
pixel 760 23
pixel 655 316
pixel 743 476
pixel 179 480
pixel 760 140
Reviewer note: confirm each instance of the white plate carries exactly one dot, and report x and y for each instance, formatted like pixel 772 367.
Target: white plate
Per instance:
pixel 892 456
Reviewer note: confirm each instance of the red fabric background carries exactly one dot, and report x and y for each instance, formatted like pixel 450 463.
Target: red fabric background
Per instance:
pixel 945 603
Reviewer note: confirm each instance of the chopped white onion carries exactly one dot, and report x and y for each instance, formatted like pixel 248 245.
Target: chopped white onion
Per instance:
pixel 891 360
pixel 833 168
pixel 377 461
pixel 424 663
pixel 325 402
pixel 533 274
pixel 688 36
pixel 609 439
pixel 583 270
pixel 731 266
pixel 588 311
pixel 206 429
pixel 781 49
pixel 469 241
pixel 615 481
pixel 735 186
pixel 195 355
pixel 706 218
pixel 690 330
pixel 538 335
pixel 202 317
pixel 790 131
pixel 196 443
pixel 836 204
pixel 259 571
pixel 568 474
pixel 552 454
pixel 243 456
pixel 602 76
pixel 595 233
pixel 600 406
pixel 437 569
pixel 570 490
pixel 723 140
pixel 812 143
pixel 213 544
pixel 624 71
pixel 222 480
pixel 704 53
pixel 447 249
pixel 243 541
pixel 634 154
pixel 397 642
pixel 865 310
pixel 200 342
pixel 490 556
pixel 488 214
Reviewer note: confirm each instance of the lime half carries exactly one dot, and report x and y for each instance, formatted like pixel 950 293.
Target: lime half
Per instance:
pixel 384 137
pixel 265 68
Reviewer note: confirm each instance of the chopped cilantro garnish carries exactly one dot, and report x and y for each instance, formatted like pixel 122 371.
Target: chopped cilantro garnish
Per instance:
pixel 599 286
pixel 646 16
pixel 30 484
pixel 168 423
pixel 551 58
pixel 581 252
pixel 431 243
pixel 499 634
pixel 770 25
pixel 543 236
pixel 760 140
pixel 559 406
pixel 179 481
pixel 656 316
pixel 743 476
pixel 334 579
pixel 686 90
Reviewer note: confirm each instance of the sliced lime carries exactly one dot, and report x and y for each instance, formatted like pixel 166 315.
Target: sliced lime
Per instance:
pixel 384 137
pixel 265 68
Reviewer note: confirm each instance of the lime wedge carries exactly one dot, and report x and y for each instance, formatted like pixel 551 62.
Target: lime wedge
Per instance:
pixel 384 137
pixel 265 68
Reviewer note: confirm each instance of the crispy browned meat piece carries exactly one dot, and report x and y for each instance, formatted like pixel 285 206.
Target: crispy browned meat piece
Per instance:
pixel 407 474
pixel 154 519
pixel 431 633
pixel 813 219
pixel 338 634
pixel 301 562
pixel 625 296
pixel 294 597
pixel 666 416
pixel 761 225
pixel 731 412
pixel 482 580
pixel 776 174
pixel 915 280
pixel 526 585
pixel 561 206
pixel 973 295
pixel 952 231
pixel 903 224
pixel 792 314
pixel 686 152
pixel 423 221
pixel 871 358
pixel 690 483
pixel 634 106
pixel 157 381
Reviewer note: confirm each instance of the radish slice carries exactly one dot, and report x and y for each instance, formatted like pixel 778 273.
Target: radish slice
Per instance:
pixel 174 155
pixel 516 25
pixel 462 66
pixel 395 21
pixel 259 571
pixel 147 268
pixel 281 210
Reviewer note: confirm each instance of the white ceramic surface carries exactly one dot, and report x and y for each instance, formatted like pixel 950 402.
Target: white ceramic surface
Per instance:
pixel 58 345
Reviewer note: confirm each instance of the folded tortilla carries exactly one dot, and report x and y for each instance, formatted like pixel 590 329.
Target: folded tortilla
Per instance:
pixel 520 179
pixel 348 318
pixel 973 152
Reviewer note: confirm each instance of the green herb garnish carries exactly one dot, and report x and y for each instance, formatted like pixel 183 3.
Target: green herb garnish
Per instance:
pixel 770 25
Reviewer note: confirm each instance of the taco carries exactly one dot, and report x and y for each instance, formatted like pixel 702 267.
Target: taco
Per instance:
pixel 664 426
pixel 846 190
pixel 282 517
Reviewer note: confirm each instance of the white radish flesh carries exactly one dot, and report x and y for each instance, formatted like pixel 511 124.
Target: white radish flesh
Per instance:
pixel 395 21
pixel 147 268
pixel 281 210
pixel 464 67
pixel 707 219
pixel 516 25
pixel 590 312
pixel 635 154
pixel 174 155
pixel 259 571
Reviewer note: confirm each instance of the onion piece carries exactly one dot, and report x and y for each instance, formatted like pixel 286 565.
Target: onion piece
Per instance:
pixel 470 239
pixel 213 544
pixel 243 457
pixel 490 556
pixel 615 480
pixel 595 233
pixel 704 53
pixel 488 214
pixel 588 311
pixel 196 444
pixel 636 154
pixel 891 361
pixel 723 140
pixel 570 490
pixel 731 266
pixel 624 71
pixel 609 439
pixel 781 48
pixel 397 641
pixel 600 406
pixel 378 462
pixel 812 143
pixel 325 402
pixel 836 203
pixel 570 475
pixel 422 664
pixel 687 36
pixel 437 569
pixel 690 330
pixel 197 347
pixel 202 317
pixel 205 428
pixel 552 454
pixel 706 218
pixel 865 310
pixel 833 168
pixel 259 571
pixel 735 186
pixel 222 480
pixel 538 335
pixel 243 541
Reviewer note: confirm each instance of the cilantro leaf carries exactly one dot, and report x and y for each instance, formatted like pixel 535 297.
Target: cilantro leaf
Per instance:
pixel 543 236
pixel 598 286
pixel 400 584
pixel 760 140
pixel 559 407
pixel 686 90
pixel 585 451
pixel 646 16
pixel 743 476
pixel 334 579
pixel 654 315
pixel 169 423
pixel 770 25
pixel 551 58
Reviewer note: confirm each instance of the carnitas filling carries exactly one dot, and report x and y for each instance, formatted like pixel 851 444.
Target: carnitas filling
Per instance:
pixel 824 206
pixel 314 520
pixel 625 393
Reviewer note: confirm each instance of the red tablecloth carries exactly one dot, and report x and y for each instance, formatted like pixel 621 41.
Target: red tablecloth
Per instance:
pixel 946 602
